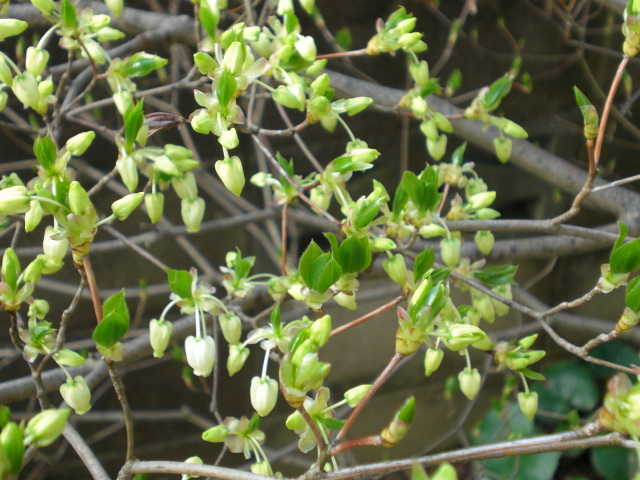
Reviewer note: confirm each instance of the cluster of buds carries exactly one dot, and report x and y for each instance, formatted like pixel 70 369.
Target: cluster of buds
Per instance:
pixel 621 406
pixel 300 368
pixel 396 34
pixel 518 357
pixel 623 260
pixel 631 29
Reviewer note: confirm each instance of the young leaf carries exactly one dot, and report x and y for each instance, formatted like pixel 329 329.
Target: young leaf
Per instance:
pixel 354 254
pixel 68 14
pixel 365 211
pixel 46 152
pixel 133 119
pixel 328 275
pixel 497 275
pixel 632 298
pixel 111 329
pixel 226 88
pixel 423 263
pixel 312 252
pixel 180 283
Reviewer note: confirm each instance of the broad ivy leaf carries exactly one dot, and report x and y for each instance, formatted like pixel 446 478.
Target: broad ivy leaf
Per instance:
pixel 575 383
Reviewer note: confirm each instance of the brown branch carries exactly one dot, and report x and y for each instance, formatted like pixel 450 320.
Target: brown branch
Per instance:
pixel 368 316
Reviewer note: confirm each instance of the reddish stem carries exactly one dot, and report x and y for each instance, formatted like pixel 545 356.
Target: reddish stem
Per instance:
pixel 368 316
pixel 352 53
pixel 356 442
pixel 87 272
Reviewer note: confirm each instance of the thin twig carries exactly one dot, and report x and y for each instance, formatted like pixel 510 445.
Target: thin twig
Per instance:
pixel 368 316
pixel 118 387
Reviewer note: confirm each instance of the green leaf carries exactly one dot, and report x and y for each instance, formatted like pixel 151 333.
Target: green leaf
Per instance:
pixel 581 98
pixel 626 258
pixel 331 423
pixel 575 383
pixel 111 329
pixel 497 91
pixel 180 283
pixel 458 155
pixel 415 190
pixel 614 463
pixel 632 297
pixel 354 254
pixel 276 318
pixel 226 88
pixel 116 303
pixel 68 14
pixel 400 199
pixel 540 466
pixel 242 266
pixel 325 271
pixel 209 19
pixel 423 263
pixel 344 39
pixel 133 119
pixel 312 252
pixel 497 275
pixel 141 64
pixel 365 212
pixel 46 152
pixel 531 374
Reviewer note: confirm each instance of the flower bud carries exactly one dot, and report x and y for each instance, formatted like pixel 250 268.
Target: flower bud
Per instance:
pixel 484 305
pixel 53 248
pixel 234 58
pixel 231 326
pixel 33 216
pixel 159 336
pixel 217 434
pixel 513 129
pixel 108 34
pixel 528 403
pixel 6 76
pixel 450 251
pixel 25 88
pixel 3 99
pixel 229 139
pixel 155 205
pixel 45 428
pixel 320 331
pixel 196 460
pixel 357 104
pixel 262 468
pixel 306 47
pixel 79 143
pixel 185 186
pixel 33 272
pixel 36 61
pixel 115 6
pixel 201 122
pixel 230 172
pixel 432 360
pixel 200 353
pixel 484 241
pixel 445 472
pixel 469 380
pixel 499 307
pixel 503 148
pixel 128 171
pixel 355 395
pixel 192 213
pixel 237 356
pixel 205 63
pixel 420 73
pixel 264 394
pixel 481 200
pixel 126 205
pixel 432 230
pixel 12 446
pixel 15 199
pixel 380 244
pixel 487 214
pixel 396 269
pixel 10 27
pixel 77 394
pixel 69 358
pixel 286 97
pixel 79 201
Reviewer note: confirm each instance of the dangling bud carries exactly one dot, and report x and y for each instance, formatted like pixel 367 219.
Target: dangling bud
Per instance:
pixel 77 394
pixel 78 144
pixel 200 354
pixel 503 148
pixel 126 205
pixel 437 148
pixel 25 88
pixel 231 326
pixel 79 201
pixel 15 199
pixel 159 336
pixel 155 205
pixel 469 380
pixel 33 216
pixel 450 251
pixel 237 356
pixel 264 394
pixel 484 241
pixel 192 213
pixel 128 171
pixel 396 269
pixel 36 61
pixel 432 360
pixel 185 186
pixel 528 403
pixel 230 172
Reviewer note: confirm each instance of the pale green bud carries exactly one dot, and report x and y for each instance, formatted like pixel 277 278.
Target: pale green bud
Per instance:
pixel 192 213
pixel 39 309
pixel 264 394
pixel 355 395
pixel 78 144
pixel 320 331
pixel 33 272
pixel 526 342
pixel 513 129
pixel 237 356
pixel 286 96
pixel 108 34
pixel 45 428
pixel 115 6
pixel 33 216
pixel 450 251
pixel 445 472
pixel 36 61
pixel 69 358
pixel 231 173
pixel 528 403
pixel 469 380
pixel 318 196
pixel 217 434
pixel 346 300
pixel 25 88
pixel 123 101
pixel 306 47
pixel 356 105
pixel 503 147
pixel 442 122
pixel 15 199
pixel 500 308
pixel 487 214
pixel 155 205
pixel 429 129
pixel 460 336
pixel 229 139
pixel 437 148
pixel 196 460
pixel 185 186
pixel 484 241
pixel 77 394
pixel 11 445
pixel 126 205
pixel 200 354
pixel 205 63
pixel 202 122
pixel 159 336
pixel 79 201
pixel 5 72
pixel 484 305
pixel 420 72
pixel 432 230
pixel 53 248
pixel 231 326
pixel 10 27
pixel 396 269
pixel 45 6
pixel 164 164
pixel 380 244
pixel 481 200
pixel 432 360
pixel 115 353
pixel 262 468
